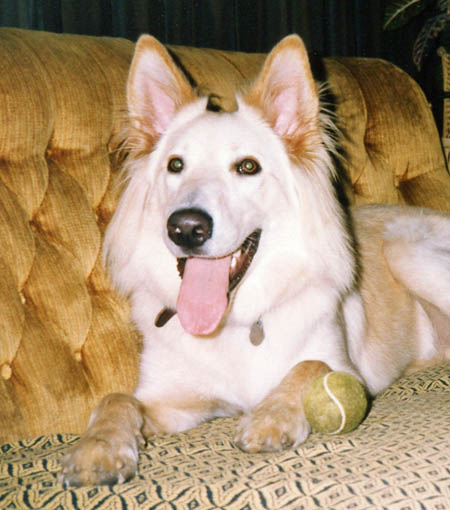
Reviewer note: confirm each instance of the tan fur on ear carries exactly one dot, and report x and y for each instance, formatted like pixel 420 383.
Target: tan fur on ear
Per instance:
pixel 287 95
pixel 156 89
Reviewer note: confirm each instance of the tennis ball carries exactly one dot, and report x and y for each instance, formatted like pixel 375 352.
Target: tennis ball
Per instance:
pixel 335 403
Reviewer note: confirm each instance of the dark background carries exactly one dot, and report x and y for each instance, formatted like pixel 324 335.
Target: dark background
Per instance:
pixel 329 27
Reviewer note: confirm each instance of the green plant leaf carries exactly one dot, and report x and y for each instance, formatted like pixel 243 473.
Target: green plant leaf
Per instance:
pixel 444 5
pixel 431 30
pixel 398 12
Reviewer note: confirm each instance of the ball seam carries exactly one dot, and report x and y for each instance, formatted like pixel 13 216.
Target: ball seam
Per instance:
pixel 336 401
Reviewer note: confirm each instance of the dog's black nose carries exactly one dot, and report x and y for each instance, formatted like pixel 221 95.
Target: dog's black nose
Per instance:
pixel 189 228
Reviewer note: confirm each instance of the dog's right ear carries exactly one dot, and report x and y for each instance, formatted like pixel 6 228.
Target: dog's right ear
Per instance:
pixel 156 88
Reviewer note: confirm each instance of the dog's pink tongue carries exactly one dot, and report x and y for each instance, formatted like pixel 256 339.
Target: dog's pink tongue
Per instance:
pixel 203 297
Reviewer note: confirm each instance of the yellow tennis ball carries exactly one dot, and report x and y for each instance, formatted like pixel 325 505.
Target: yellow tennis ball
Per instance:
pixel 335 403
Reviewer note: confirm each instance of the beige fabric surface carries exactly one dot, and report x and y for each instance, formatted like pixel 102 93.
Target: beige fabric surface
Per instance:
pixel 66 339
pixel 398 459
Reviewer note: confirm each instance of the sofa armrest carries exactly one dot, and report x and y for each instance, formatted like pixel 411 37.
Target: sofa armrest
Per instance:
pixel 391 144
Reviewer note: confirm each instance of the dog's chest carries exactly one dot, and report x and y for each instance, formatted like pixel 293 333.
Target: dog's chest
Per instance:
pixel 229 367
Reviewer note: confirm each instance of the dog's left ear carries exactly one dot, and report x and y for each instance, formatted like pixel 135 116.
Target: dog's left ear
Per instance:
pixel 286 92
pixel 156 87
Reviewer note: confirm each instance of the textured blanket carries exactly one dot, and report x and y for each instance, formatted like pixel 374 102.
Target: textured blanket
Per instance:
pixel 399 458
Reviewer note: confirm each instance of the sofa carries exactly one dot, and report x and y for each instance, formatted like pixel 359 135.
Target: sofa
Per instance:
pixel 66 336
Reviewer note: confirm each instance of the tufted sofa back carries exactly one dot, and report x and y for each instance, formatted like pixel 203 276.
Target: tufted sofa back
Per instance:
pixel 65 336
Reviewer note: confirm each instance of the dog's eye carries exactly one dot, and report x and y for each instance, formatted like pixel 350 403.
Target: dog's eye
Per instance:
pixel 175 165
pixel 248 167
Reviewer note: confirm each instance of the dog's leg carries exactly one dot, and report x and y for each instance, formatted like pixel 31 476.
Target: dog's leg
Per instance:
pixel 279 421
pixel 417 250
pixel 107 453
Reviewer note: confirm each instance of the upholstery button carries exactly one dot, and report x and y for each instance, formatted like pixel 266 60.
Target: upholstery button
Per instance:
pixel 6 371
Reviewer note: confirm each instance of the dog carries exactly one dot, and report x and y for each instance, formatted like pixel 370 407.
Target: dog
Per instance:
pixel 246 276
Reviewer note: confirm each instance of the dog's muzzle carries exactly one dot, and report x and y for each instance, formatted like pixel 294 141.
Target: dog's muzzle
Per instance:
pixel 206 283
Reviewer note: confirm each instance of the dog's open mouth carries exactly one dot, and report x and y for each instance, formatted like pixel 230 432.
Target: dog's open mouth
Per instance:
pixel 207 283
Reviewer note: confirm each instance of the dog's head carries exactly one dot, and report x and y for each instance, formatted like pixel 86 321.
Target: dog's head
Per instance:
pixel 220 187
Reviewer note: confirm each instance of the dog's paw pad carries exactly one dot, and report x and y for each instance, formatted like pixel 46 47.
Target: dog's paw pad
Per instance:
pixel 271 431
pixel 95 461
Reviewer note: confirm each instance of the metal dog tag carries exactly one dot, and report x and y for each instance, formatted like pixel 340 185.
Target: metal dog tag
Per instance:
pixel 257 333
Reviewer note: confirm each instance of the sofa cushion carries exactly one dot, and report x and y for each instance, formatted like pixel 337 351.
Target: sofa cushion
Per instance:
pixel 397 459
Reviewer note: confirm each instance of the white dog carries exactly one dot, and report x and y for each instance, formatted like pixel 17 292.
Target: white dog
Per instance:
pixel 243 274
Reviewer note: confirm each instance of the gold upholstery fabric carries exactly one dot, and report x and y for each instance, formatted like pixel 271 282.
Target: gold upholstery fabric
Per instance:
pixel 393 153
pixel 66 339
pixel 65 335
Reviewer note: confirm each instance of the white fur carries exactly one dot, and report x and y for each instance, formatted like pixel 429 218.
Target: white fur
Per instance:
pixel 301 283
pixel 373 304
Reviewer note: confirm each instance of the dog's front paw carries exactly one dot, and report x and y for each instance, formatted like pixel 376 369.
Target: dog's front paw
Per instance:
pixel 100 460
pixel 271 428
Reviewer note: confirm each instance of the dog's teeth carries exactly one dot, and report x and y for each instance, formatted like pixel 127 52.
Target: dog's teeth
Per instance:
pixel 235 258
